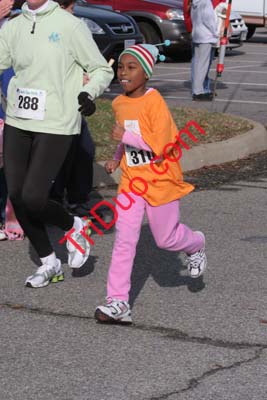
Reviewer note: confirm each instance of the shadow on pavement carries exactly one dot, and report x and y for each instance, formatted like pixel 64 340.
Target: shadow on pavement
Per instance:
pixel 164 266
pixel 234 53
pixel 260 38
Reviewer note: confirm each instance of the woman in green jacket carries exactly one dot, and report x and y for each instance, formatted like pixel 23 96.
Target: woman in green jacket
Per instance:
pixel 48 50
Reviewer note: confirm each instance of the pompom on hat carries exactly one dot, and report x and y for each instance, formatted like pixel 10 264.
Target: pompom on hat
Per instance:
pixel 146 54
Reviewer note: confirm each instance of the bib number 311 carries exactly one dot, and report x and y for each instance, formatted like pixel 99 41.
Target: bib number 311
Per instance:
pixel 30 103
pixel 136 157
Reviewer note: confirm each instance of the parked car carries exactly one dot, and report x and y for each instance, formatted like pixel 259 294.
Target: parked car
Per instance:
pixel 157 21
pixel 112 31
pixel 254 13
pixel 239 30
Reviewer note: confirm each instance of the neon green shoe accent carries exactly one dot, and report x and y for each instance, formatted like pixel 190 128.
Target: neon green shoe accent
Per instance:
pixel 88 231
pixel 60 278
pixel 57 278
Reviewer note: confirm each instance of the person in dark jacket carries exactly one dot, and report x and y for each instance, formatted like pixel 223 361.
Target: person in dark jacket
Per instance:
pixel 75 179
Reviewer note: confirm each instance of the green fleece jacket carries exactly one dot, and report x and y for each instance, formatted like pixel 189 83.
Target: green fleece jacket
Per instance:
pixel 50 56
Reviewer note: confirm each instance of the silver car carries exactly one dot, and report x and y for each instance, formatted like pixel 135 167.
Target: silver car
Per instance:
pixel 239 30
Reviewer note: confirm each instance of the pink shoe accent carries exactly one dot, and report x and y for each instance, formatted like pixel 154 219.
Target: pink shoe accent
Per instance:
pixel 13 229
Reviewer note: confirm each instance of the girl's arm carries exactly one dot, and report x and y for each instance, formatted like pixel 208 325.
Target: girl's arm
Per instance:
pixel 134 140
pixel 126 137
pixel 119 152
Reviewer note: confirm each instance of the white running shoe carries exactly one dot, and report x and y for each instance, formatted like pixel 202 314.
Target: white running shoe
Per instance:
pixel 114 311
pixel 3 236
pixel 197 262
pixel 46 274
pixel 76 258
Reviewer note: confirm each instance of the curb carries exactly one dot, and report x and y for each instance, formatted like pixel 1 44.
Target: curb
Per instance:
pixel 253 141
pixel 235 148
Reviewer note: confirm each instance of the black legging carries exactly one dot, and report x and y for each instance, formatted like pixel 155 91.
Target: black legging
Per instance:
pixel 31 163
pixel 76 174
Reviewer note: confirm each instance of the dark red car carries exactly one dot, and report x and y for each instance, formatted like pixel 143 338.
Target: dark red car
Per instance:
pixel 157 20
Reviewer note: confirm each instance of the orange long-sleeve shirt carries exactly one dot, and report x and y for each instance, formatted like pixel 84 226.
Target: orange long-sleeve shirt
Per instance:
pixel 150 117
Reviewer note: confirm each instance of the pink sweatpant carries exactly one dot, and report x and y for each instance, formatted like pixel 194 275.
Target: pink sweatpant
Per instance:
pixel 168 233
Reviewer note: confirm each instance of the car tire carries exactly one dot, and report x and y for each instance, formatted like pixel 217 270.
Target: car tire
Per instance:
pixel 115 69
pixel 182 55
pixel 251 31
pixel 148 32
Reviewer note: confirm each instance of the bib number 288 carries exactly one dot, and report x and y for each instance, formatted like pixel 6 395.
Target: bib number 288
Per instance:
pixel 27 102
pixel 30 103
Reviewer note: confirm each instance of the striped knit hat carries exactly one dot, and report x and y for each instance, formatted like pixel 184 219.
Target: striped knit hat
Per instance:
pixel 146 54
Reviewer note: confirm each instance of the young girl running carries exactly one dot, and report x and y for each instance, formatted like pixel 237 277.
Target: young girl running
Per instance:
pixel 144 126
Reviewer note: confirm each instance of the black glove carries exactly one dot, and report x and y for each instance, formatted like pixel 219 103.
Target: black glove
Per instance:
pixel 87 105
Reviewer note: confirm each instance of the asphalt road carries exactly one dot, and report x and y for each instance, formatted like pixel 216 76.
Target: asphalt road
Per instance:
pixel 191 340
pixel 242 89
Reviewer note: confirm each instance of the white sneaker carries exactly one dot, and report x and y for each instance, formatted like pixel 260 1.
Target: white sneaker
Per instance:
pixel 3 235
pixel 45 274
pixel 197 262
pixel 114 311
pixel 76 258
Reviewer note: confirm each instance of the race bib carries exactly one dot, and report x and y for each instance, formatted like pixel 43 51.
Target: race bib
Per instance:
pixel 30 103
pixel 132 125
pixel 136 157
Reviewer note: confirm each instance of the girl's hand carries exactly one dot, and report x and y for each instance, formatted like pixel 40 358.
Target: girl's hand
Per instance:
pixel 111 166
pixel 117 132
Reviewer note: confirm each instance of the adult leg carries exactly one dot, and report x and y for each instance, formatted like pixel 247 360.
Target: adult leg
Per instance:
pixel 63 177
pixel 80 180
pixel 192 68
pixel 207 80
pixel 201 64
pixel 3 195
pixel 32 161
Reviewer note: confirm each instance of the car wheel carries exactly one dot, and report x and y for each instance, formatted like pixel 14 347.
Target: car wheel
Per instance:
pixel 182 55
pixel 149 33
pixel 251 31
pixel 115 69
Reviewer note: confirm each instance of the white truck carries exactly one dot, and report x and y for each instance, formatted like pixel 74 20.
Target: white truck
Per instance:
pixel 254 13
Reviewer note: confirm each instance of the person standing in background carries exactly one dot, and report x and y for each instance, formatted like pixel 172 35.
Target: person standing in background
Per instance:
pixel 204 36
pixel 187 4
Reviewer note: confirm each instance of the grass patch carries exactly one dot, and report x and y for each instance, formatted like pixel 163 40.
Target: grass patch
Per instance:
pixel 218 126
pixel 100 125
